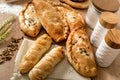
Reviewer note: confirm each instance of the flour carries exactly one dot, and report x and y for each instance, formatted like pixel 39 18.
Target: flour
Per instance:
pixel 10 8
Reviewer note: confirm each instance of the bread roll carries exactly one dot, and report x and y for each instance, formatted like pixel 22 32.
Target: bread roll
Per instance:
pixel 33 55
pixel 80 54
pixel 46 64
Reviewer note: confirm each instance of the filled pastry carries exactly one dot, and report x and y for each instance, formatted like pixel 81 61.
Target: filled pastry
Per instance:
pixel 29 20
pixel 52 21
pixel 73 17
pixel 80 4
pixel 80 54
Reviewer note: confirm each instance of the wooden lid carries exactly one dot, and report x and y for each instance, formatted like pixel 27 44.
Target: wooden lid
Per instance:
pixel 108 20
pixel 106 5
pixel 112 38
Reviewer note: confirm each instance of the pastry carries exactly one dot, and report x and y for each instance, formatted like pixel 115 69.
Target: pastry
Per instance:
pixel 52 21
pixel 78 0
pixel 46 64
pixel 73 17
pixel 29 20
pixel 77 4
pixel 33 55
pixel 80 54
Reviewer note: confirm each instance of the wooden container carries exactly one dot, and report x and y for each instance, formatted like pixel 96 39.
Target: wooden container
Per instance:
pixel 109 48
pixel 106 5
pixel 108 20
pixel 97 7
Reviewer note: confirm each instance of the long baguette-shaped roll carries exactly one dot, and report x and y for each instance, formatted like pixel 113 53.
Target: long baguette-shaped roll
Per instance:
pixel 46 64
pixel 33 55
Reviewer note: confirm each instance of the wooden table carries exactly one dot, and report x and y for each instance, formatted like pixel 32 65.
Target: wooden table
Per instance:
pixel 6 69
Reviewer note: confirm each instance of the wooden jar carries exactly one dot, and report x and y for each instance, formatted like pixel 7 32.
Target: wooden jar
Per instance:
pixel 109 48
pixel 99 6
pixel 107 20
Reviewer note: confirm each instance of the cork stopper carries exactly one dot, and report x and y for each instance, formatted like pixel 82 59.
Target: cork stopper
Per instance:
pixel 108 20
pixel 112 38
pixel 106 5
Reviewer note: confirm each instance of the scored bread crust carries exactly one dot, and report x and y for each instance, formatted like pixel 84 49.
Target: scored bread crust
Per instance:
pixel 80 54
pixel 44 67
pixel 73 17
pixel 29 20
pixel 34 54
pixel 79 5
pixel 52 21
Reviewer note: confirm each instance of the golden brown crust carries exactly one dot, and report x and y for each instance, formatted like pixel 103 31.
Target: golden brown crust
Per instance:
pixel 79 5
pixel 29 20
pixel 80 54
pixel 52 21
pixel 73 17
pixel 78 0
pixel 37 50
pixel 46 64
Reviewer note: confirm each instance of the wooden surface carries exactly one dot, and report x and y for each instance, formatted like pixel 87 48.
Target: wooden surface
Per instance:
pixel 6 69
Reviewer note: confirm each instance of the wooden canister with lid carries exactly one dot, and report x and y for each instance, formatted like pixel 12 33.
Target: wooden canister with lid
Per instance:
pixel 109 48
pixel 107 20
pixel 99 6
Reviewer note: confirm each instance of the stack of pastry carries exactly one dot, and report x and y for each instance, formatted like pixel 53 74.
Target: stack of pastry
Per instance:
pixel 61 22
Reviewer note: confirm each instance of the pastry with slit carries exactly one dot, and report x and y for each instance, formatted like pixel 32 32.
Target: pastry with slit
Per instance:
pixel 29 20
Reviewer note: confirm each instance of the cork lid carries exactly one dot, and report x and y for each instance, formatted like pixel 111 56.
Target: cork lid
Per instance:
pixel 108 20
pixel 112 38
pixel 106 5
